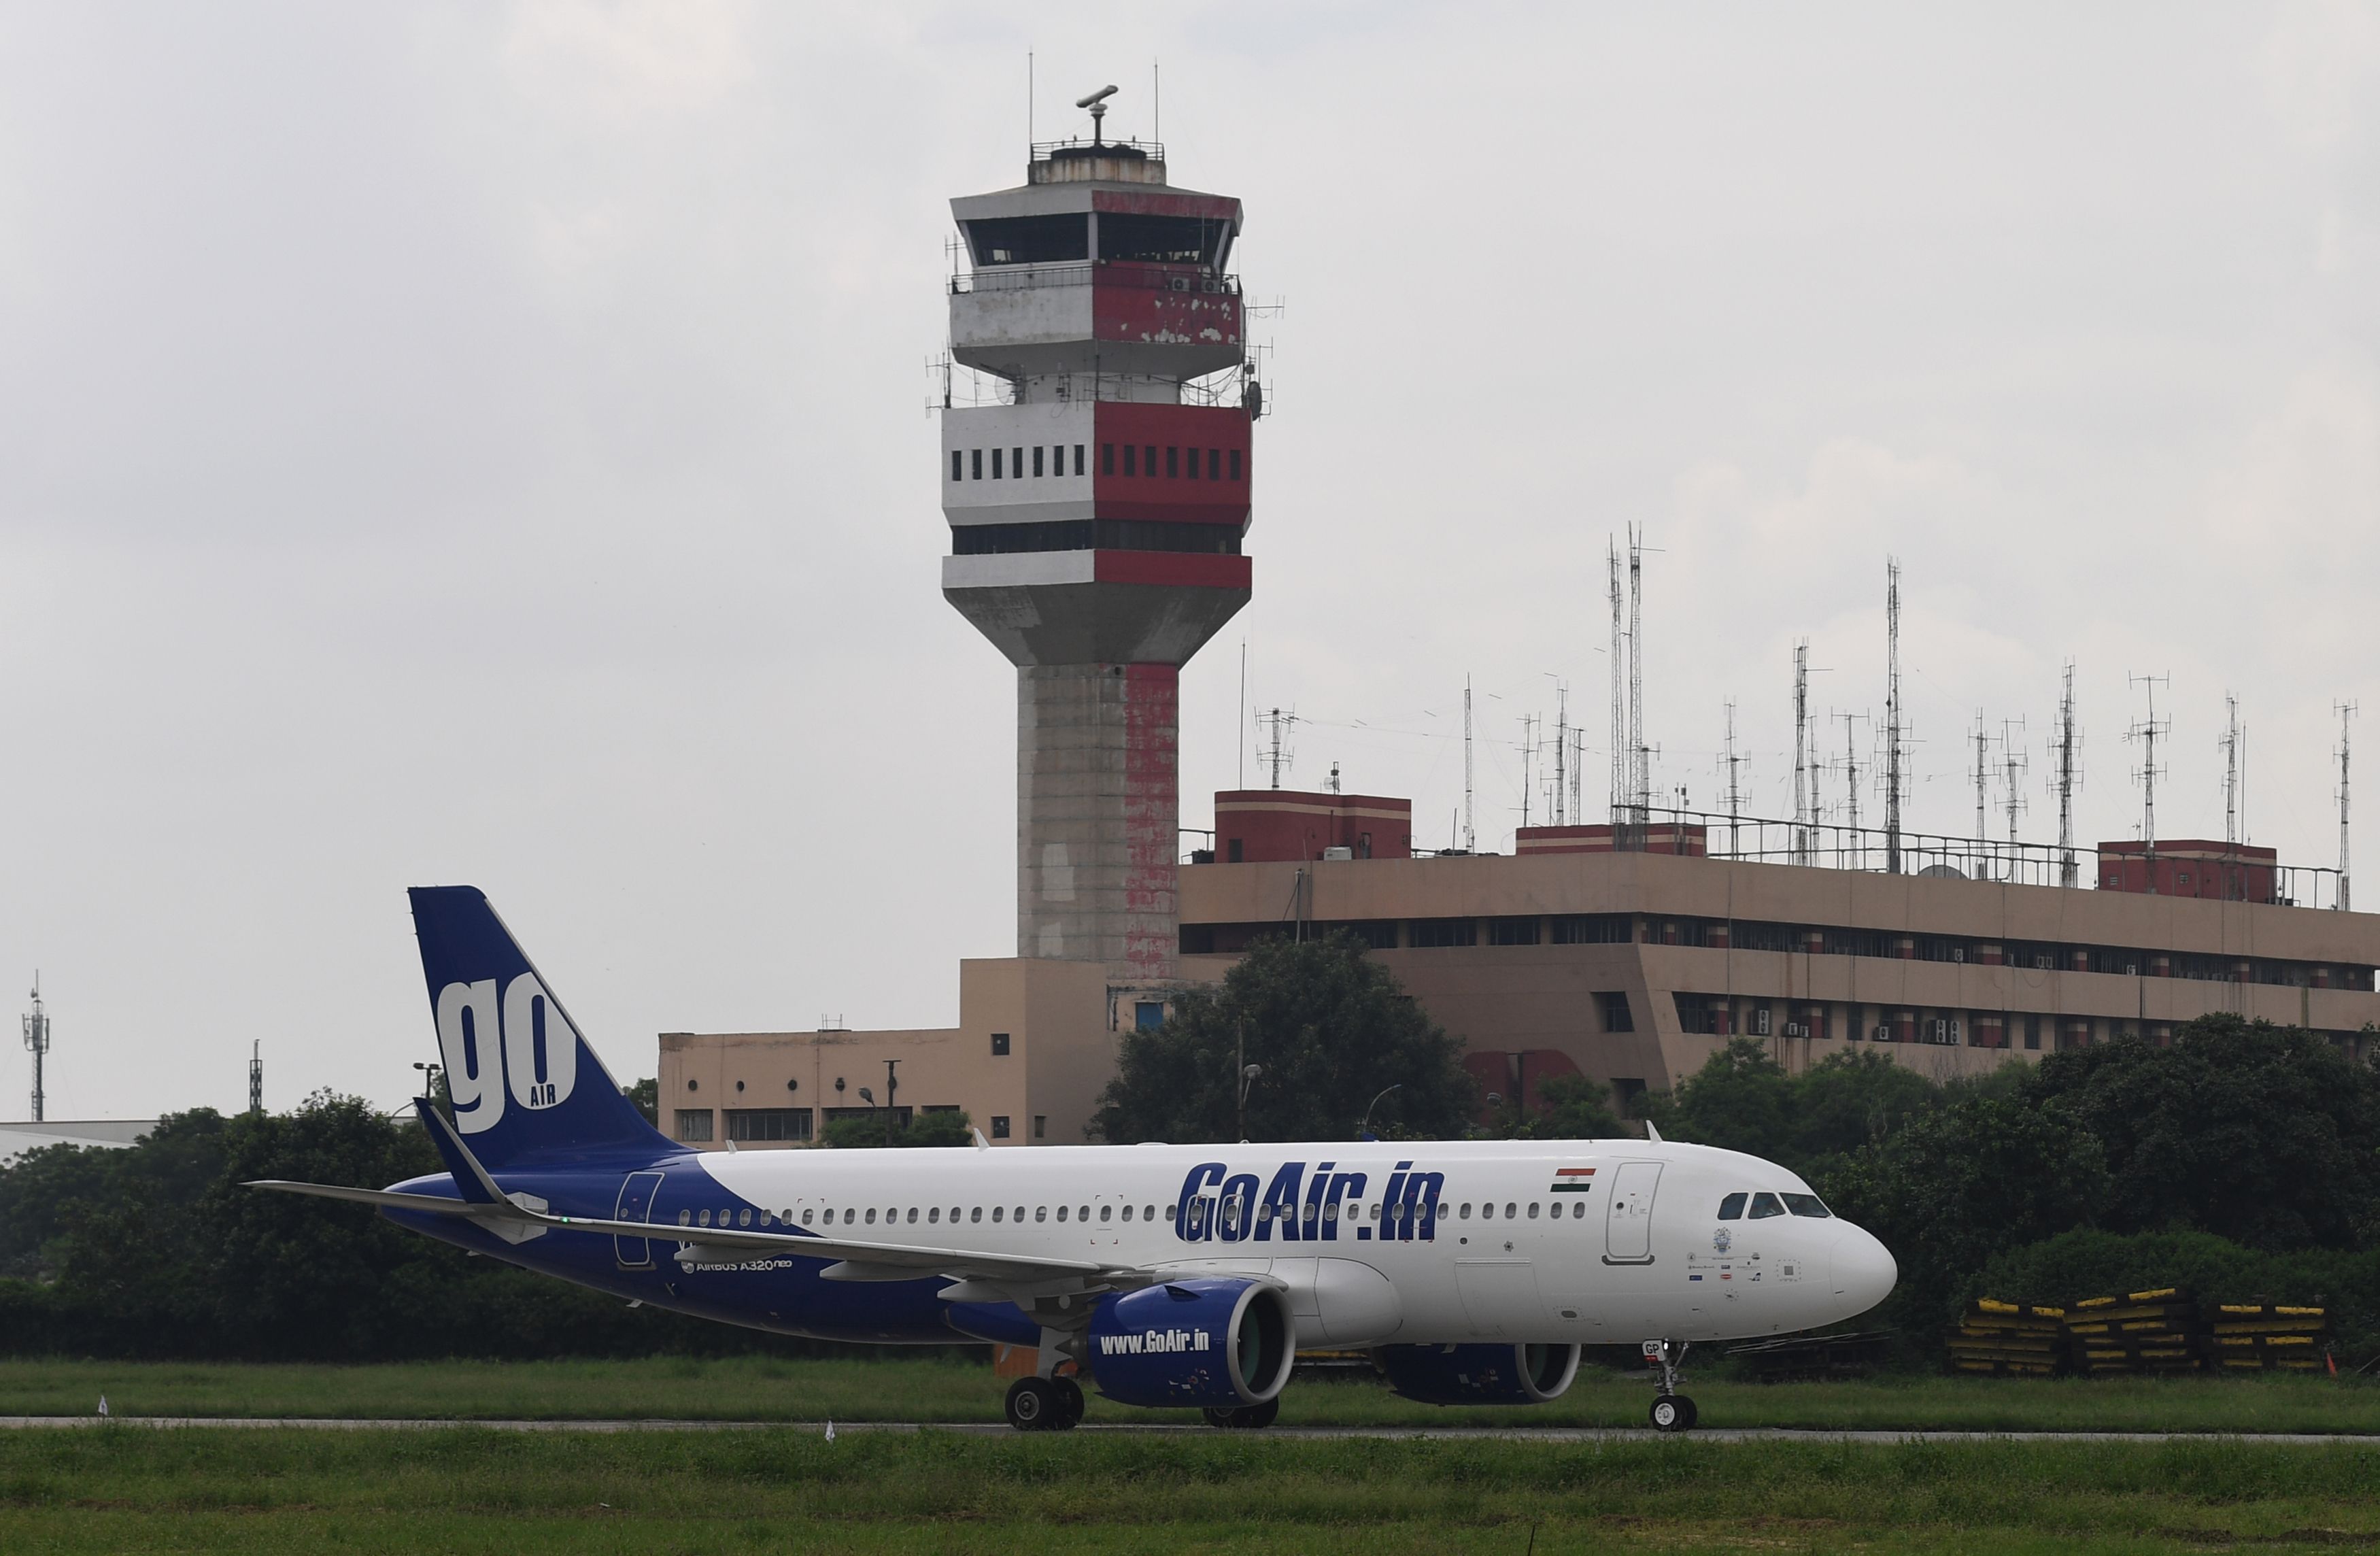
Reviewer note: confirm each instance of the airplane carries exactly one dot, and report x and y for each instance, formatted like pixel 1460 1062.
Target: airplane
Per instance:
pixel 1164 1275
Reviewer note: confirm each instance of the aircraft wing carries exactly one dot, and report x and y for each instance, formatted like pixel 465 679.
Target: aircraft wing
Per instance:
pixel 723 1244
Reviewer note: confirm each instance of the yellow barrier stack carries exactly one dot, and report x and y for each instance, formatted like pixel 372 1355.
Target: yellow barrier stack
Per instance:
pixel 2137 1332
pixel 2263 1337
pixel 2006 1340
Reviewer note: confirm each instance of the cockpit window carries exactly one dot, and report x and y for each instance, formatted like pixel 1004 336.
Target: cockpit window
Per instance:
pixel 1807 1205
pixel 1764 1205
pixel 1731 1208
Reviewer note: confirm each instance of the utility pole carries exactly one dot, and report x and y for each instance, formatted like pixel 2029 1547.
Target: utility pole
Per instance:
pixel 37 1039
pixel 1892 715
pixel 2345 711
pixel 2068 746
pixel 1244 1075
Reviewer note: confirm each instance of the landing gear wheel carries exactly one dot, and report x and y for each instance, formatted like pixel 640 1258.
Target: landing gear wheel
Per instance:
pixel 1673 1413
pixel 1070 1405
pixel 1034 1406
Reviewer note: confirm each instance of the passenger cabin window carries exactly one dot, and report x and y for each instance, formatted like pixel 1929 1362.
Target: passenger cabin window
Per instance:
pixel 1030 240
pixel 1765 1206
pixel 1808 1205
pixel 1731 1208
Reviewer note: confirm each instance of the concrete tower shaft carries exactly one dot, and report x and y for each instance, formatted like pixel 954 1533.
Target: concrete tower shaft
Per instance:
pixel 1097 518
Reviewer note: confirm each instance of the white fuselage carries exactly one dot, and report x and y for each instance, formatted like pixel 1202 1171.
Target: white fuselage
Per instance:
pixel 1594 1242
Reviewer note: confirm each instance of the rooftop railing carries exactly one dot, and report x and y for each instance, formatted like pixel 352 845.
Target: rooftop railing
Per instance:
pixel 1148 275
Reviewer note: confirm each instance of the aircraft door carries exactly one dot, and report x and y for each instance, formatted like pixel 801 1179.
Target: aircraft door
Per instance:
pixel 1628 1224
pixel 636 1204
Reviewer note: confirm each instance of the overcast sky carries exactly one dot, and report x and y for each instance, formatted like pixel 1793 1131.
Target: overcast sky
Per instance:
pixel 482 443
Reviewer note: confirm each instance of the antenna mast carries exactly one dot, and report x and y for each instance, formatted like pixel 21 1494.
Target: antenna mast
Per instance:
pixel 1278 755
pixel 2067 873
pixel 2345 711
pixel 2014 765
pixel 37 1039
pixel 1470 831
pixel 1641 773
pixel 1892 715
pixel 1619 708
pixel 1528 751
pixel 2148 731
pixel 1850 790
pixel 256 1077
pixel 2229 742
pixel 1561 806
pixel 1802 752
pixel 1734 793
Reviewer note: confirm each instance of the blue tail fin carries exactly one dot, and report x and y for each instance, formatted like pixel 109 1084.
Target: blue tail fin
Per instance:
pixel 524 1085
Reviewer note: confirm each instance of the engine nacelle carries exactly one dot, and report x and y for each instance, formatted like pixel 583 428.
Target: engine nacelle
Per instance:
pixel 1210 1342
pixel 1479 1373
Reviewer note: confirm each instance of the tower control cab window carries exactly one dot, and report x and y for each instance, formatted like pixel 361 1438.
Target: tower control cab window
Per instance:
pixel 1030 240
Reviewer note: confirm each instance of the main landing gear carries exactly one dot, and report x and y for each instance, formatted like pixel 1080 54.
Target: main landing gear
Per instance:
pixel 1045 1405
pixel 1244 1417
pixel 1672 1412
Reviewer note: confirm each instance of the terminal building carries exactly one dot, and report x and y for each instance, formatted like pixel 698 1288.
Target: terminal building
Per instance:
pixel 1097 518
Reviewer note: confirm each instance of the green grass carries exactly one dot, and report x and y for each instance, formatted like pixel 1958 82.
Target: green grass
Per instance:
pixel 910 1388
pixel 466 1490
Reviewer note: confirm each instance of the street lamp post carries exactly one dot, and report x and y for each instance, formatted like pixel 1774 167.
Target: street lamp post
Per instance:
pixel 1363 1130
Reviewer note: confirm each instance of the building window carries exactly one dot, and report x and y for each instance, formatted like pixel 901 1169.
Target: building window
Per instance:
pixel 1148 1016
pixel 1079 458
pixel 1172 463
pixel 1107 460
pixel 958 465
pixel 768 1124
pixel 1593 929
pixel 1214 464
pixel 1232 850
pixel 1131 459
pixel 693 1124
pixel 1036 460
pixel 1040 1129
pixel 1148 457
pixel 2032 1031
pixel 999 1045
pixel 1616 1015
pixel 1443 932
pixel 1235 464
pixel 976 455
pixel 995 464
pixel 999 1129
pixel 1511 931
pixel 1016 462
pixel 1192 465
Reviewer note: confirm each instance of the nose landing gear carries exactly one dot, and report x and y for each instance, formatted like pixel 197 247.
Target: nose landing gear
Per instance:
pixel 1672 1412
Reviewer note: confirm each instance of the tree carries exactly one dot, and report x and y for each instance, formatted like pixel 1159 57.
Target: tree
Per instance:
pixel 1328 1028
pixel 2264 1135
pixel 950 1129
pixel 1961 1183
pixel 646 1095
pixel 1740 1100
pixel 1576 1108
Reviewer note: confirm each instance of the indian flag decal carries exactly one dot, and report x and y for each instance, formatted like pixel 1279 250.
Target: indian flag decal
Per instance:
pixel 1573 1180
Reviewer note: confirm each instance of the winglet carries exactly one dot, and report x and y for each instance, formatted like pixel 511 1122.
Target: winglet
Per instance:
pixel 980 1143
pixel 1653 1133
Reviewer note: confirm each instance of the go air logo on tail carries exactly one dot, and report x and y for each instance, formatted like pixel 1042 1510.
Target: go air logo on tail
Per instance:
pixel 1155 1343
pixel 519 1046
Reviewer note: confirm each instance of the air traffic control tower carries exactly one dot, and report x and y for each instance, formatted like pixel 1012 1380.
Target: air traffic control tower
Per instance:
pixel 1096 516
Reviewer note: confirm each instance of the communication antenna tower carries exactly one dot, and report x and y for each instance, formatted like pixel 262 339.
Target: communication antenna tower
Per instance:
pixel 1892 736
pixel 1983 774
pixel 2230 743
pixel 1620 768
pixel 2068 746
pixel 1850 788
pixel 1469 831
pixel 1528 752
pixel 1561 806
pixel 1734 791
pixel 1642 796
pixel 2345 711
pixel 1278 755
pixel 2014 765
pixel 37 1039
pixel 2148 731
pixel 1334 777
pixel 1802 752
pixel 256 1077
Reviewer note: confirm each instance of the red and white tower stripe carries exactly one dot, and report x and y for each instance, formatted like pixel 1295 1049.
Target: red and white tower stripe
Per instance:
pixel 1096 518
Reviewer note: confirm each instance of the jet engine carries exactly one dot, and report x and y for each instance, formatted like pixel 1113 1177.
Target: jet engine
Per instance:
pixel 1479 1373
pixel 1213 1343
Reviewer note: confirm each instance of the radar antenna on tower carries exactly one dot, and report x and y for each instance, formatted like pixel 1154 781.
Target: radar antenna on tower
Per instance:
pixel 1098 103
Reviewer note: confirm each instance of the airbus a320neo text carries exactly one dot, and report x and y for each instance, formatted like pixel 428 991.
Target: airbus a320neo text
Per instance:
pixel 1166 1275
